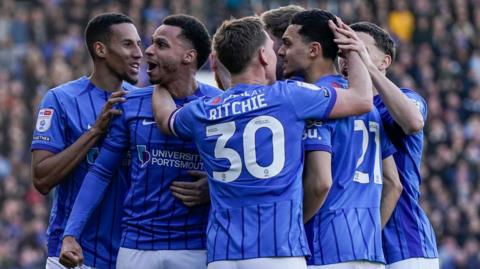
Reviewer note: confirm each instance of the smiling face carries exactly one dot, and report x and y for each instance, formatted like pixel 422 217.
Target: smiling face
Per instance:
pixel 166 53
pixel 294 51
pixel 123 52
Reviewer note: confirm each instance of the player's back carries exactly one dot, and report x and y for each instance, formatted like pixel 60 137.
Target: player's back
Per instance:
pixel 153 218
pixel 408 233
pixel 348 226
pixel 250 139
pixel 65 114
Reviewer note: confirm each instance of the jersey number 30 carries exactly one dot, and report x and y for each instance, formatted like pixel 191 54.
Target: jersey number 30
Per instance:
pixel 227 129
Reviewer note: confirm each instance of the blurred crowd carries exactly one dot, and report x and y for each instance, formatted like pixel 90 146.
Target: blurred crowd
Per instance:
pixel 41 46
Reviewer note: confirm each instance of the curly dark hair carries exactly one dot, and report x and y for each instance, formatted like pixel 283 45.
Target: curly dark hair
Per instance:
pixel 195 32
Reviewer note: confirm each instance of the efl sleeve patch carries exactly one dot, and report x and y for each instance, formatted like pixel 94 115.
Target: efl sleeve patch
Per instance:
pixel 44 120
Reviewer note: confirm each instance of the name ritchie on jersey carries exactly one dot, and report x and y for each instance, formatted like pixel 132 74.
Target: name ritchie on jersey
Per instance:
pixel 238 107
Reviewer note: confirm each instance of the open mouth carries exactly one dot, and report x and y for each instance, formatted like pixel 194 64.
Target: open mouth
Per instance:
pixel 135 66
pixel 151 66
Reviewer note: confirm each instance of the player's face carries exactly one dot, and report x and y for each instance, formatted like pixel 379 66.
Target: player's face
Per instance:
pixel 294 52
pixel 376 55
pixel 277 43
pixel 166 53
pixel 123 52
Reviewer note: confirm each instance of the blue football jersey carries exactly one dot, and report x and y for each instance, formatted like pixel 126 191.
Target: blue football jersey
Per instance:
pixel 348 226
pixel 408 233
pixel 65 113
pixel 153 218
pixel 250 139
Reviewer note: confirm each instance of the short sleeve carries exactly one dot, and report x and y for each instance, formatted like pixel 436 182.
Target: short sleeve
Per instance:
pixel 49 133
pixel 181 121
pixel 387 146
pixel 419 102
pixel 310 101
pixel 318 136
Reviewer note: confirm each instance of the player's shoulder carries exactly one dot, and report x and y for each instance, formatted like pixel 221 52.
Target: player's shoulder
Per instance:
pixel 300 84
pixel 415 96
pixel 411 93
pixel 71 88
pixel 138 92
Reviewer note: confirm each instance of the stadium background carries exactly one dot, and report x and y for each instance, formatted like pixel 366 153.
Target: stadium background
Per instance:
pixel 41 46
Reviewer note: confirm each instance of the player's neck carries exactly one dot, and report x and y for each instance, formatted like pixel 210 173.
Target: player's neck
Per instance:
pixel 181 88
pixel 254 76
pixel 319 70
pixel 103 79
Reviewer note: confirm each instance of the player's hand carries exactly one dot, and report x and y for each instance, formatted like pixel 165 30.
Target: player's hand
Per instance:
pixel 108 111
pixel 71 254
pixel 192 193
pixel 348 41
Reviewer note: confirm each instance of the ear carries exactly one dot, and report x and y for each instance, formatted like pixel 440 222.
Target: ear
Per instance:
pixel 262 57
pixel 386 62
pixel 314 49
pixel 190 56
pixel 100 49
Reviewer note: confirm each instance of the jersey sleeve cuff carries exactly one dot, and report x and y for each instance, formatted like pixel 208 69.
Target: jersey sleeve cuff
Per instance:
pixel 171 121
pixel 74 235
pixel 388 153
pixel 318 147
pixel 333 100
pixel 52 149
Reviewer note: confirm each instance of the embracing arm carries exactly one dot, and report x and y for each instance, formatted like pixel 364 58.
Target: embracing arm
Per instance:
pixel 163 107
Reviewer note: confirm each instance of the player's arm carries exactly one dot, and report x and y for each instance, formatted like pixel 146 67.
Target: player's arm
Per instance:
pixel 391 191
pixel 163 107
pixel 89 197
pixel 358 99
pixel 317 180
pixel 49 168
pixel 402 109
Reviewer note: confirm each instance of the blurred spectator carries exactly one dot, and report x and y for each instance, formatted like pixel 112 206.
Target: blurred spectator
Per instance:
pixel 41 46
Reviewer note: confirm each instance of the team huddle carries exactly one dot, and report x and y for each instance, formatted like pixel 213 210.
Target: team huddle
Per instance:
pixel 309 157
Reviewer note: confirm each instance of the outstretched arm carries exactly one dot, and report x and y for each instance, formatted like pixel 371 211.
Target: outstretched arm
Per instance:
pixel 90 195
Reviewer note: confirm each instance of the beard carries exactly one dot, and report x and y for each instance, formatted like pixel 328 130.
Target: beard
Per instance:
pixel 166 72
